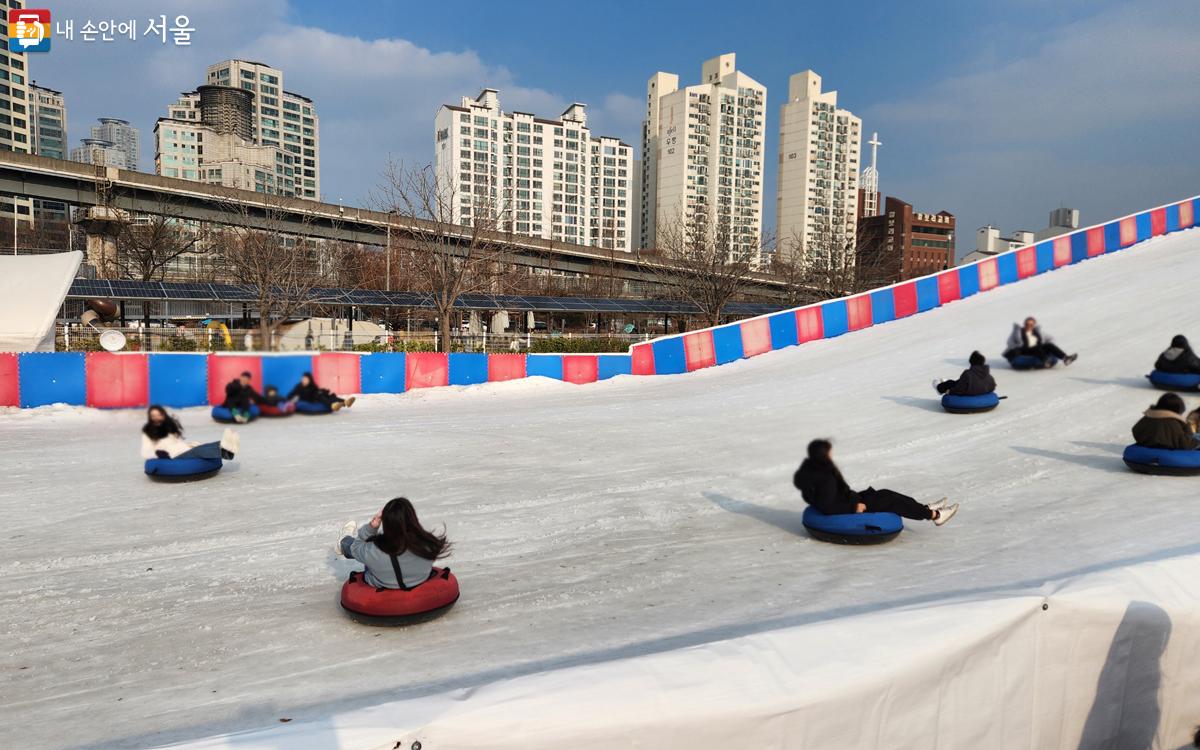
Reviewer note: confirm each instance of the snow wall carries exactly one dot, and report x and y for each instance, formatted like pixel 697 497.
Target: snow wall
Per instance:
pixel 33 288
pixel 130 380
pixel 1107 659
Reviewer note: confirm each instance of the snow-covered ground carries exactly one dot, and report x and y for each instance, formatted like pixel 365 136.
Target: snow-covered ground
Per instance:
pixel 590 522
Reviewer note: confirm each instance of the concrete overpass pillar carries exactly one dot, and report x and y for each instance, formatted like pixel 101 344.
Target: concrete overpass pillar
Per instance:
pixel 101 225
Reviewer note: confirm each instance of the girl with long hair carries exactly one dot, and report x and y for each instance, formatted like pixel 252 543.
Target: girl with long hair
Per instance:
pixel 162 437
pixel 396 549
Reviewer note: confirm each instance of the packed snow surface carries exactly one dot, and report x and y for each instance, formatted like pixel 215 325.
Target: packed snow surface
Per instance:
pixel 589 522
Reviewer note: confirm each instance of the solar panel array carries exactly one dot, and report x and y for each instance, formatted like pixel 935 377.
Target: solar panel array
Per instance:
pixel 235 293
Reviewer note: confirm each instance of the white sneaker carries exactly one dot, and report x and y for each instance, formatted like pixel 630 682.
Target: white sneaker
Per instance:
pixel 945 514
pixel 937 505
pixel 230 441
pixel 350 528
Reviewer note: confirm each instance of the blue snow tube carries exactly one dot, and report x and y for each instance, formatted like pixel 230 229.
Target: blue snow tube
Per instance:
pixel 221 414
pixel 182 469
pixel 852 528
pixel 1174 381
pixel 970 404
pixel 1030 362
pixel 1176 463
pixel 312 407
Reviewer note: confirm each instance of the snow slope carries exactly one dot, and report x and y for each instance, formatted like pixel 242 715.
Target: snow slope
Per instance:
pixel 591 522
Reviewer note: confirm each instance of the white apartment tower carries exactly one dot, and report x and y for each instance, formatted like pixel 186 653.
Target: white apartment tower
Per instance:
pixel 15 130
pixel 122 135
pixel 548 178
pixel 818 173
pixel 702 155
pixel 242 129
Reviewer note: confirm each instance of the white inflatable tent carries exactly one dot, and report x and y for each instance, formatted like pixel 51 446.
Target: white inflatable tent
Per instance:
pixel 32 289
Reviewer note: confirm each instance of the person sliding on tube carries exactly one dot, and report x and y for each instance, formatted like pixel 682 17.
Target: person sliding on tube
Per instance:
pixel 1178 358
pixel 396 550
pixel 307 390
pixel 1029 341
pixel 976 380
pixel 822 486
pixel 1164 426
pixel 162 437
pixel 239 395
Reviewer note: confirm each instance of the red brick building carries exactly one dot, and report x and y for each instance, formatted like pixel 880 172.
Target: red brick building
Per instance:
pixel 902 244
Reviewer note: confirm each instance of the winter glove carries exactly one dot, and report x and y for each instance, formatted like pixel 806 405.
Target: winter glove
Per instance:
pixel 162 454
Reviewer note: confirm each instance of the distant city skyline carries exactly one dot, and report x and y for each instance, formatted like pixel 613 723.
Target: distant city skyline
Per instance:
pixel 1009 91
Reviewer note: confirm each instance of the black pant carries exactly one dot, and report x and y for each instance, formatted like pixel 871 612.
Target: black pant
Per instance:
pixel 887 501
pixel 1041 351
pixel 328 398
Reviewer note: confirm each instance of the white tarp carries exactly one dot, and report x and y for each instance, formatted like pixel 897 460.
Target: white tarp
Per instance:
pixel 32 290
pixel 1105 660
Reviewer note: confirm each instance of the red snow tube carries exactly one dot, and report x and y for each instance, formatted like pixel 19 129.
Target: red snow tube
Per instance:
pixel 282 409
pixel 371 606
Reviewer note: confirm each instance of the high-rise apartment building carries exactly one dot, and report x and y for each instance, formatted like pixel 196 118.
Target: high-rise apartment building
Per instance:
pixel 548 178
pixel 100 152
pixel 122 135
pixel 15 132
pixel 47 122
pixel 818 175
pixel 242 130
pixel 702 156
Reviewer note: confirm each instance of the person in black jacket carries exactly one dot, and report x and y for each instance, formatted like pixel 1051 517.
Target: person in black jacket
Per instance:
pixel 308 390
pixel 822 486
pixel 977 380
pixel 1178 358
pixel 1164 426
pixel 239 395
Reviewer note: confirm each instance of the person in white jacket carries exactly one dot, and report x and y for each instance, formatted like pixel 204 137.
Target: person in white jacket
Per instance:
pixel 162 437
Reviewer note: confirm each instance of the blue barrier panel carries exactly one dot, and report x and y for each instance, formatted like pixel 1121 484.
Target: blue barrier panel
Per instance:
pixel 883 306
pixel 284 372
pixel 52 378
pixel 783 330
pixel 727 343
pixel 468 368
pixel 1112 236
pixel 1006 268
pixel 968 281
pixel 1079 247
pixel 612 365
pixel 382 372
pixel 551 365
pixel 1173 218
pixel 179 380
pixel 835 320
pixel 1144 227
pixel 668 356
pixel 1045 256
pixel 927 294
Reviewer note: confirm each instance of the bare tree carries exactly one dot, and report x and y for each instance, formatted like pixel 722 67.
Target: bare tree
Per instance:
pixel 286 268
pixel 824 267
pixel 148 246
pixel 445 258
pixel 699 259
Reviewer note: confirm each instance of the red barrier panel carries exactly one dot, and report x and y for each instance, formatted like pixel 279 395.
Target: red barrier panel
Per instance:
pixel 1026 262
pixel 1128 231
pixel 948 290
pixel 116 381
pixel 643 359
pixel 1062 251
pixel 222 369
pixel 810 326
pixel 858 312
pixel 503 367
pixel 426 370
pixel 904 299
pixel 582 368
pixel 338 372
pixel 989 276
pixel 1187 216
pixel 1158 222
pixel 698 350
pixel 756 337
pixel 10 384
pixel 1095 237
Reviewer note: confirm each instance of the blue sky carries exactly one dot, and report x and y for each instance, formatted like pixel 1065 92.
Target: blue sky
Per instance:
pixel 995 111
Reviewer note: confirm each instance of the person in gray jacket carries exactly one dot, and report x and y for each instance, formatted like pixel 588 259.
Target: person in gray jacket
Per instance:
pixel 1028 340
pixel 397 551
